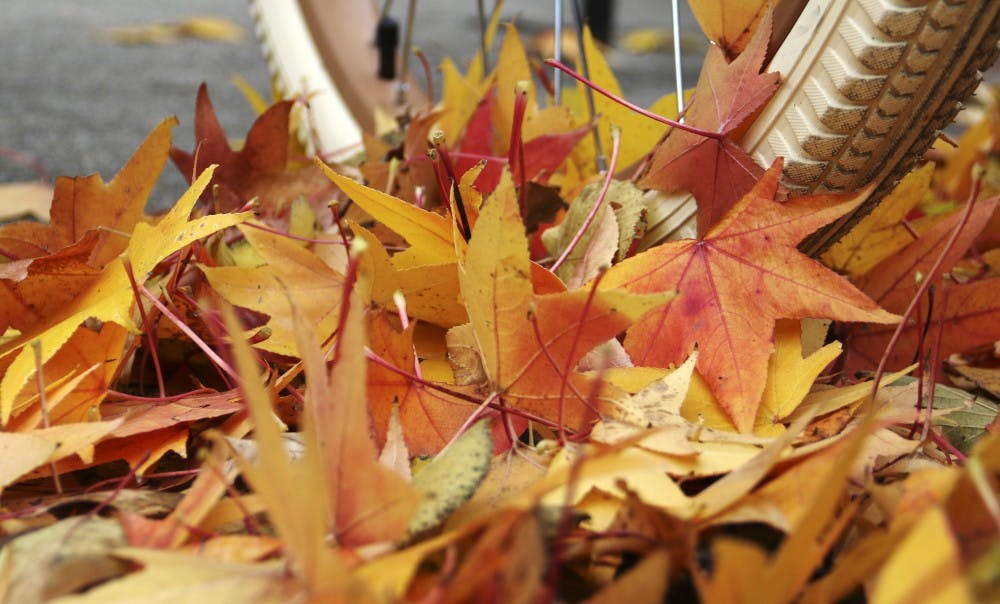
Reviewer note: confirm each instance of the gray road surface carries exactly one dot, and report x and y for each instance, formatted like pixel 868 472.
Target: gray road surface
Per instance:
pixel 79 104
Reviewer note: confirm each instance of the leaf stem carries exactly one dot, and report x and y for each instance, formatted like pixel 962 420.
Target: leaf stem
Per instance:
pixel 615 145
pixel 340 229
pixel 445 162
pixel 614 97
pixel 116 395
pixel 378 360
pixel 428 75
pixel 36 346
pixel 119 487
pixel 931 275
pixel 374 357
pixel 944 443
pixel 350 279
pixel 935 361
pixel 181 325
pixel 474 417
pixel 27 161
pixel 147 327
pixel 516 151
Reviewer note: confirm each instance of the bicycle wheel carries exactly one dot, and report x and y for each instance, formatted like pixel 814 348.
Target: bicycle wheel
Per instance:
pixel 333 66
pixel 867 87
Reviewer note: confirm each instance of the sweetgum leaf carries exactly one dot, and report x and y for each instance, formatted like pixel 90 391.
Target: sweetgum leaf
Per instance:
pixel 716 170
pixel 968 311
pixel 536 373
pixel 734 283
pixel 263 169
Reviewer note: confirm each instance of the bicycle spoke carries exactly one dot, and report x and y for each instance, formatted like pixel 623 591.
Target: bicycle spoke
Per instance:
pixel 407 49
pixel 675 24
pixel 602 164
pixel 557 22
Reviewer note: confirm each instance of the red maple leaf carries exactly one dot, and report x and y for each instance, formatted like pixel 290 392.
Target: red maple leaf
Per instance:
pixel 430 418
pixel 967 312
pixel 716 170
pixel 733 284
pixel 262 169
pixel 543 154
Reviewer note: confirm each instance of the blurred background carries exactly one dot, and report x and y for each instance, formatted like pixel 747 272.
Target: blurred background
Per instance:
pixel 82 83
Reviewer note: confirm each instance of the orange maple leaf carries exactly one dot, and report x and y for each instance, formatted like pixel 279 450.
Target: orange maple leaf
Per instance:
pixel 86 203
pixel 149 431
pixel 370 502
pixel 530 344
pixel 734 283
pixel 968 319
pixel 893 281
pixel 716 170
pixel 49 265
pixel 967 311
pixel 34 288
pixel 430 418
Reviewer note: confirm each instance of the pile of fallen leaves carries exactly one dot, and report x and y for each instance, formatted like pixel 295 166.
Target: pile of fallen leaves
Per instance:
pixel 480 376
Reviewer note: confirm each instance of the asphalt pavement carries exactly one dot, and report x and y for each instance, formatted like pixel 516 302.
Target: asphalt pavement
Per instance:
pixel 76 102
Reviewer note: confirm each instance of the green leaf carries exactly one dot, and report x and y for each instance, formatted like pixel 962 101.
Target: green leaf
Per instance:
pixel 452 477
pixel 968 417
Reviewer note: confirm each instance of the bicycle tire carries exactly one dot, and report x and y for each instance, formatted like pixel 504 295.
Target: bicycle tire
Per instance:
pixel 867 87
pixel 875 83
pixel 334 68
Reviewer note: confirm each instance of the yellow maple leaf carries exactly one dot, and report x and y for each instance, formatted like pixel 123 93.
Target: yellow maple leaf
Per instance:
pixel 178 577
pixel 729 23
pixel 110 297
pixel 639 133
pixel 513 72
pixel 431 291
pixel 931 549
pixel 299 515
pixel 89 361
pixel 24 452
pixel 291 275
pixel 429 234
pixel 882 233
pixel 789 378
pixel 460 95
